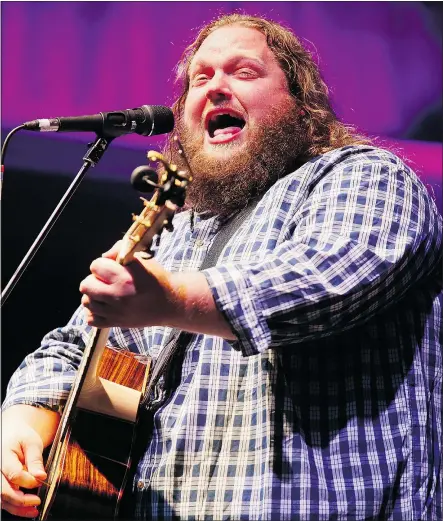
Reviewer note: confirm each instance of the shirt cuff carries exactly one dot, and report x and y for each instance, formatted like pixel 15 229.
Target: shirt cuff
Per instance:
pixel 22 401
pixel 236 298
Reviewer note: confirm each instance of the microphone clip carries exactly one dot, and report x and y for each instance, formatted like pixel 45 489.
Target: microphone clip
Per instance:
pixel 96 150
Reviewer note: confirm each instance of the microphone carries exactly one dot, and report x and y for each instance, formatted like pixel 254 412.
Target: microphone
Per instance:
pixel 147 120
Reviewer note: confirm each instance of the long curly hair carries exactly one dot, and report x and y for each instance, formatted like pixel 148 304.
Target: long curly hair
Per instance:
pixel 323 131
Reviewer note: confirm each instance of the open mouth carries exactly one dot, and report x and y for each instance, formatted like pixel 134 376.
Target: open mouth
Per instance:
pixel 223 126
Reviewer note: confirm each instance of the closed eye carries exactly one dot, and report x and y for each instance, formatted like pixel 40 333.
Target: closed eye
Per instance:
pixel 200 79
pixel 246 73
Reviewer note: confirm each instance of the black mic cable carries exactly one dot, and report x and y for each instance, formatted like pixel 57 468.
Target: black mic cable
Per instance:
pixel 7 139
pixel 3 153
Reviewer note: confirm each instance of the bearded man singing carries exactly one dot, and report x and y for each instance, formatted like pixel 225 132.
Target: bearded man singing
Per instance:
pixel 311 386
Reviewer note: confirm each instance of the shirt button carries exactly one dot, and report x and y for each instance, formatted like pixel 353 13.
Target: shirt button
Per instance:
pixel 140 485
pixel 199 243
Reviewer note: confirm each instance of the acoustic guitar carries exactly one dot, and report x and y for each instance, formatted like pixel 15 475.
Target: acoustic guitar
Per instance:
pixel 90 457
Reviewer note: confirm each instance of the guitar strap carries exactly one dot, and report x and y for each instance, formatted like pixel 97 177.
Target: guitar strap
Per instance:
pixel 178 340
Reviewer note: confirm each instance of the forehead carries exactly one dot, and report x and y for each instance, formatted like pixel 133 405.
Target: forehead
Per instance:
pixel 233 40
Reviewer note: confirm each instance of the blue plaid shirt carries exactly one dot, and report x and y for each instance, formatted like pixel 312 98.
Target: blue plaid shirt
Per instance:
pixel 329 405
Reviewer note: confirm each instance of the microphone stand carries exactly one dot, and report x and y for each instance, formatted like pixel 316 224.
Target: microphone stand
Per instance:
pixel 91 158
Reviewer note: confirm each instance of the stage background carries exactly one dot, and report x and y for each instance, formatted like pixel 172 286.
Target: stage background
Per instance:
pixel 382 61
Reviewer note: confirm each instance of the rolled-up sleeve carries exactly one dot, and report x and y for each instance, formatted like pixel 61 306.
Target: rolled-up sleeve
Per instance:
pixel 45 377
pixel 364 234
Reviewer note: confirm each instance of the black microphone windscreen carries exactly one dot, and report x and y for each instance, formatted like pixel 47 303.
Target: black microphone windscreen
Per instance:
pixel 162 120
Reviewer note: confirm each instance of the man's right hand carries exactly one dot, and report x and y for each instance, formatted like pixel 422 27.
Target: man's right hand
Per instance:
pixel 22 456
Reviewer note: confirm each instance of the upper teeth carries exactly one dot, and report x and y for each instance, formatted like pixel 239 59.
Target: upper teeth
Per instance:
pixel 215 122
pixel 214 116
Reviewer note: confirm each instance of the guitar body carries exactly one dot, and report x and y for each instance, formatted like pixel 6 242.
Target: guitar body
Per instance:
pixel 91 478
pixel 90 464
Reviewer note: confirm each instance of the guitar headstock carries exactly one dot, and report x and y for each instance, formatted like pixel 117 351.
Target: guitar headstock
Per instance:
pixel 157 214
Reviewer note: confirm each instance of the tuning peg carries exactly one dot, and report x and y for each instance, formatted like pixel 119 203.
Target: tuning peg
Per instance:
pixel 144 179
pixel 149 204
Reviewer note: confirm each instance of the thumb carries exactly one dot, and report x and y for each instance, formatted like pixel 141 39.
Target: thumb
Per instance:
pixel 113 252
pixel 33 453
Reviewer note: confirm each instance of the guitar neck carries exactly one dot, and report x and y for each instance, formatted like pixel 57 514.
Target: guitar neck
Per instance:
pixel 98 344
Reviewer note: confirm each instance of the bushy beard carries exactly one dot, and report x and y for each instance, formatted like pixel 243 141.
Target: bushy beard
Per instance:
pixel 227 182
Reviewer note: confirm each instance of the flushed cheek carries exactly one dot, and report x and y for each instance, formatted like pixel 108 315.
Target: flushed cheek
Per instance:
pixel 194 107
pixel 189 117
pixel 192 122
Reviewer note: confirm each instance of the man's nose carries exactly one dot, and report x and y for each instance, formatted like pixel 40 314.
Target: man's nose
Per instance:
pixel 218 88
